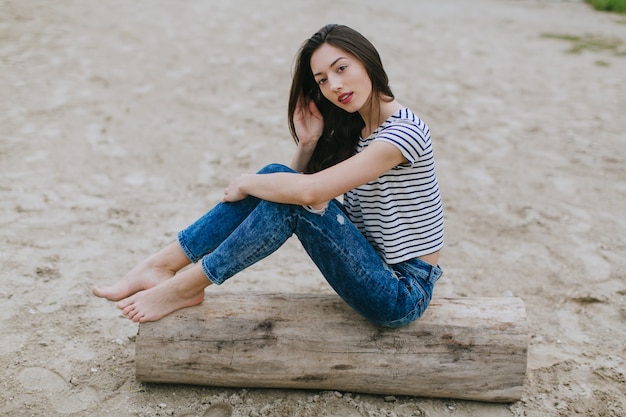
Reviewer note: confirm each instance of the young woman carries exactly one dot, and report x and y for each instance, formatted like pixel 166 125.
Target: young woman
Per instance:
pixel 378 250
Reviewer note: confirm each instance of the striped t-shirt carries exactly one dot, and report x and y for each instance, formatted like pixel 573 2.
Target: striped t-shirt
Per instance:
pixel 400 212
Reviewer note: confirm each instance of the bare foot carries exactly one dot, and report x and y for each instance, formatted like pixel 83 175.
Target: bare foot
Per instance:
pixel 142 277
pixel 151 272
pixel 161 300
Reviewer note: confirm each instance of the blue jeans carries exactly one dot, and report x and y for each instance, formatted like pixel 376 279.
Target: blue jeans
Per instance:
pixel 233 236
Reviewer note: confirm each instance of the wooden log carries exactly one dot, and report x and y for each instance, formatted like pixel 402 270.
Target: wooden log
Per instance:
pixel 466 348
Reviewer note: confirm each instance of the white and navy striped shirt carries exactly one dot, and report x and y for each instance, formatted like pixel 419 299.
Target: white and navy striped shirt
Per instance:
pixel 400 212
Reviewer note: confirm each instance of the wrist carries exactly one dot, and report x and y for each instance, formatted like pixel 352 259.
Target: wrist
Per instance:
pixel 309 145
pixel 244 183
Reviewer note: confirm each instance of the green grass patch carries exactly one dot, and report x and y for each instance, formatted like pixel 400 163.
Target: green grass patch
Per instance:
pixel 618 6
pixel 589 43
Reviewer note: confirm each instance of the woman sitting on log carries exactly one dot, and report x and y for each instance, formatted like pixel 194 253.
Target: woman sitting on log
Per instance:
pixel 379 249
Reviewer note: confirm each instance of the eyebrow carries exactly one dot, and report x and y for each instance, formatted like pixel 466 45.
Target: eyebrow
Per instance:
pixel 331 65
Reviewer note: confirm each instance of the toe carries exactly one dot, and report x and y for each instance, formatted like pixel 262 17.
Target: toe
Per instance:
pixel 122 304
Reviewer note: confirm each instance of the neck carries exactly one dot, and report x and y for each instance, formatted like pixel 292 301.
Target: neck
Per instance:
pixel 374 115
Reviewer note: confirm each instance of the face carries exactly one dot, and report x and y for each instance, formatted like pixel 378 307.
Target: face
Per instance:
pixel 341 77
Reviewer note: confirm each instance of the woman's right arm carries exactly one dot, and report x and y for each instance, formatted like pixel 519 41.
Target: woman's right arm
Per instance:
pixel 309 126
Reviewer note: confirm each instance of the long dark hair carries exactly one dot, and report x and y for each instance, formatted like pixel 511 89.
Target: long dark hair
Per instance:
pixel 341 129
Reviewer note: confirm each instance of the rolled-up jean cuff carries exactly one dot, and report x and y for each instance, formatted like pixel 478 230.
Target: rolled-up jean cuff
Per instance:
pixel 181 241
pixel 209 275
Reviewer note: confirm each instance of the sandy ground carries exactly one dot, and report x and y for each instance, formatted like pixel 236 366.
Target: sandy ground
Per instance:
pixel 121 122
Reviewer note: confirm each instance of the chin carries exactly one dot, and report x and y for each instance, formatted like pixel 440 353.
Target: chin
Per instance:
pixel 347 109
pixel 351 108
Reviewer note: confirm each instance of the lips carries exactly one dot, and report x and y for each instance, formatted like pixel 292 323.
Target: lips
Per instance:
pixel 345 98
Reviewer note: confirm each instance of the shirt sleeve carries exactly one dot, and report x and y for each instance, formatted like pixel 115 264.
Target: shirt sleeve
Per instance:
pixel 411 138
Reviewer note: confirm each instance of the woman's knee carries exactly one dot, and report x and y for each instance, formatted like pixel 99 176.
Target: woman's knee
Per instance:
pixel 272 168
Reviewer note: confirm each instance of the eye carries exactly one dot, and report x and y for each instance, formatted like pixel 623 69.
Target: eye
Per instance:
pixel 342 68
pixel 321 81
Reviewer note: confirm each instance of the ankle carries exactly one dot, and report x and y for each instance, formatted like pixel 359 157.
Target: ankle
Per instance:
pixel 170 259
pixel 154 262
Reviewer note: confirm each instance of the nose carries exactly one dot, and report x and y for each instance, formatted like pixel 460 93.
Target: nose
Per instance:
pixel 334 83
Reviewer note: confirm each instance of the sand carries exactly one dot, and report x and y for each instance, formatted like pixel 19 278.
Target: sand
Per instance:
pixel 121 122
